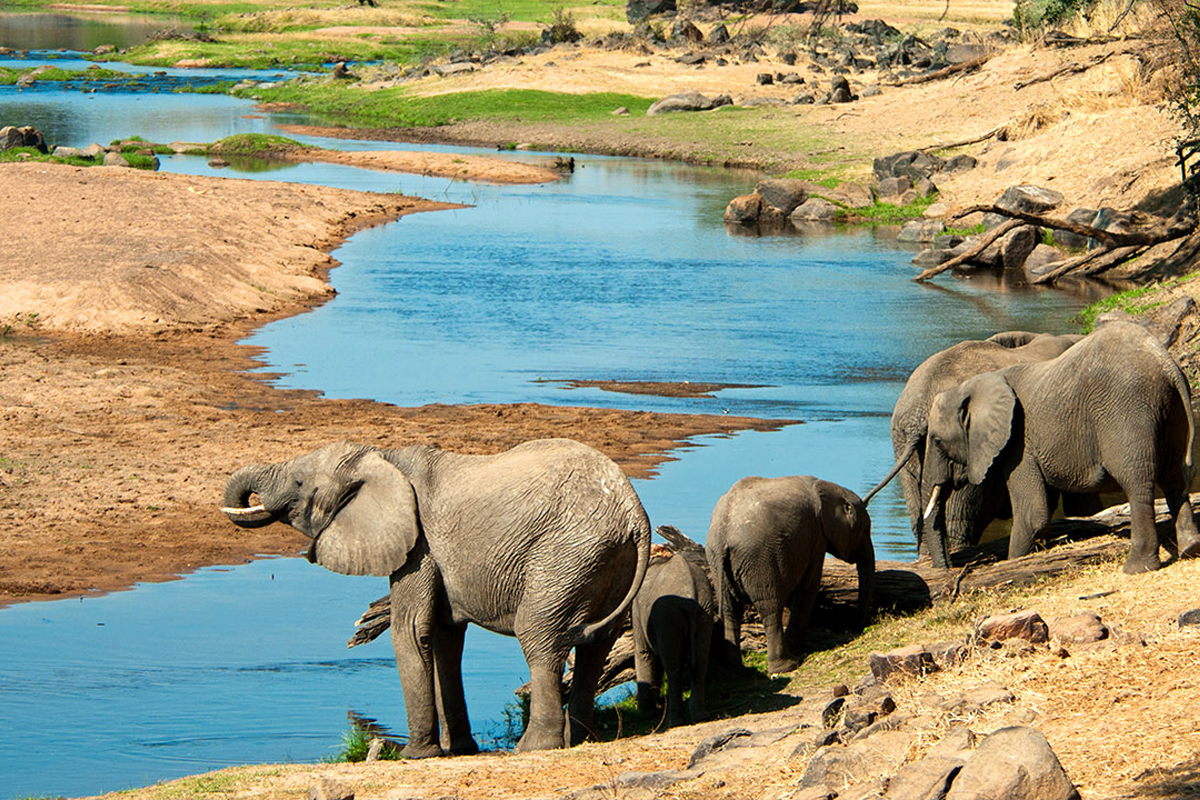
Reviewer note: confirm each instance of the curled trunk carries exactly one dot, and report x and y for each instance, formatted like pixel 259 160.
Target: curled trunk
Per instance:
pixel 244 483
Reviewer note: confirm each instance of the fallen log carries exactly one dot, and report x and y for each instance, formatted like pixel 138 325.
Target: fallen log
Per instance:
pixel 985 242
pixel 1175 228
pixel 1075 67
pixel 1092 263
pixel 945 72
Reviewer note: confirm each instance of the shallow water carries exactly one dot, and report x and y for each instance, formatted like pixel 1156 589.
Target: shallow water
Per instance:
pixel 26 31
pixel 622 271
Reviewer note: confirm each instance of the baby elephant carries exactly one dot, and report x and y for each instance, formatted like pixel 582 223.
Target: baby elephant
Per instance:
pixel 767 544
pixel 673 616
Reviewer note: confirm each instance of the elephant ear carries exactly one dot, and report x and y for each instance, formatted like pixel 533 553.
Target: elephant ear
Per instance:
pixel 989 411
pixel 376 527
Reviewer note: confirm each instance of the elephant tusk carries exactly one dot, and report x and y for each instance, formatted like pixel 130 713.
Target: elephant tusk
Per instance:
pixel 932 502
pixel 245 512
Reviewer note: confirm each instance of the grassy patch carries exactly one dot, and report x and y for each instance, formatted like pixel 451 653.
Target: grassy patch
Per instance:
pixel 355 744
pixel 394 107
pixel 974 230
pixel 888 214
pixel 1132 302
pixel 829 178
pixel 248 144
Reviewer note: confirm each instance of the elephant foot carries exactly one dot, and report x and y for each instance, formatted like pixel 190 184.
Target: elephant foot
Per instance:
pixel 1136 566
pixel 778 666
pixel 466 746
pixel 540 740
pixel 418 750
pixel 1189 546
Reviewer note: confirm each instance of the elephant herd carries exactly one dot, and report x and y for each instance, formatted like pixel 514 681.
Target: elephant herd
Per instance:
pixel 549 543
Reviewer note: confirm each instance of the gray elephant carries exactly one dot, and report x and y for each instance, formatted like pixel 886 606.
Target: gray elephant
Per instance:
pixel 766 545
pixel 546 542
pixel 673 617
pixel 969 508
pixel 1112 412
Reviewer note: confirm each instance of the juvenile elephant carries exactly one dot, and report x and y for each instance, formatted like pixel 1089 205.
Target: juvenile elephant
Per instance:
pixel 766 545
pixel 673 616
pixel 969 508
pixel 1114 411
pixel 546 542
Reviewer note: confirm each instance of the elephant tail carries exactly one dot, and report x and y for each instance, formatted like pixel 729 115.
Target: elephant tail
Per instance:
pixel 1185 394
pixel 909 449
pixel 641 533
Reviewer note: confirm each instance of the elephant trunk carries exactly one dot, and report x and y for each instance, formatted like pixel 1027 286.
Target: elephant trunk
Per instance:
pixel 241 485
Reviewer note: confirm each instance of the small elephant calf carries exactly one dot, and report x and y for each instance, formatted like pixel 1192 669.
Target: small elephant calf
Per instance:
pixel 673 617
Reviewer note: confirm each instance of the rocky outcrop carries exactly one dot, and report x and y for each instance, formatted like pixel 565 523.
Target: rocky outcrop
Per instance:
pixel 688 101
pixel 25 136
pixel 638 10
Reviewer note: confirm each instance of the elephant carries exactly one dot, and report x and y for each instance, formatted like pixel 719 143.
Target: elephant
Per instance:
pixel 766 545
pixel 672 618
pixel 546 542
pixel 1112 412
pixel 970 508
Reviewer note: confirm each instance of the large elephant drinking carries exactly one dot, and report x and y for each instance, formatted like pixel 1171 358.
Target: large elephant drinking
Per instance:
pixel 969 508
pixel 546 542
pixel 1112 412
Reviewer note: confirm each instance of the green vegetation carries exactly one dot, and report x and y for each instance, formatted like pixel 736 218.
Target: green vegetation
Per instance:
pixel 889 214
pixel 974 230
pixel 1133 302
pixel 1032 16
pixel 355 744
pixel 394 107
pixel 247 144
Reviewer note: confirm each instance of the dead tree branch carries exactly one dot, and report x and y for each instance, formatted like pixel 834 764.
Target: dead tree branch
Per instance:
pixel 1096 261
pixel 1145 237
pixel 945 72
pixel 1073 67
pixel 985 241
pixel 964 142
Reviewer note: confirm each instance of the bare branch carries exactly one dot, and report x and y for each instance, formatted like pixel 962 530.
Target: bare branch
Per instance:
pixel 985 241
pixel 946 72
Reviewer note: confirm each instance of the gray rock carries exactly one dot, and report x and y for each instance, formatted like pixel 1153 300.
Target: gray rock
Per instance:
pixel 1083 628
pixel 833 712
pixel 892 187
pixel 716 743
pixel 910 660
pixel 621 112
pixel 1019 625
pixel 69 152
pixel 927 779
pixel 1029 199
pixel 1017 244
pixel 792 78
pixel 835 767
pixel 851 195
pixel 457 68
pixel 839 91
pixel 805 99
pixel 1081 216
pixel 329 789
pixel 718 35
pixel 1189 618
pixel 115 160
pixel 375 749
pixel 958 743
pixel 686 101
pixel 685 31
pixel 1043 259
pixel 925 187
pixel 638 10
pixel 921 230
pixel 815 209
pixel 784 194
pixel 912 164
pixel 931 257
pixel 765 79
pixel 1013 764
pixel 871 91
pixel 691 59
pixel 961 163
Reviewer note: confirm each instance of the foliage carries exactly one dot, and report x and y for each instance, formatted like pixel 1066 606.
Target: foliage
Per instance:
pixel 355 744
pixel 974 230
pixel 489 22
pixel 242 144
pixel 1132 302
pixel 562 27
pixel 1032 16
pixel 889 214
pixel 220 87
pixel 1183 24
pixel 395 107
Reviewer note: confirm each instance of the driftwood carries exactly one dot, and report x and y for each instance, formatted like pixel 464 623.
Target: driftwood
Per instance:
pixel 985 242
pixel 963 143
pixel 945 72
pixel 1074 67
pixel 1175 228
pixel 1099 260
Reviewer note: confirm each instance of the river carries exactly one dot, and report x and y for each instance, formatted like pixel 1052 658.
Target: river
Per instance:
pixel 623 271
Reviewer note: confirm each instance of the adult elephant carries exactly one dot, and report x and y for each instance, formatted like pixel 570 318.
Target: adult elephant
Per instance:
pixel 1112 412
pixel 969 508
pixel 546 542
pixel 766 545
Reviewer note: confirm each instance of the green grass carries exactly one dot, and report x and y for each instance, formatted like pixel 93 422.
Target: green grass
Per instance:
pixel 974 230
pixel 393 107
pixel 248 144
pixel 889 214
pixel 1132 302
pixel 30 154
pixel 355 744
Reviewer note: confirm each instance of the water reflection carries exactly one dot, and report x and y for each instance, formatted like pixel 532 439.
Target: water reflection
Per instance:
pixel 31 31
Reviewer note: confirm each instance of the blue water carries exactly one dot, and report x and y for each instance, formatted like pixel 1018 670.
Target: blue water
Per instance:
pixel 621 271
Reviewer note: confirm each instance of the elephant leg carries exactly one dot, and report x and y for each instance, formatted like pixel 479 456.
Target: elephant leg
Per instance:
pixel 413 589
pixel 546 720
pixel 698 668
pixel 731 620
pixel 674 670
pixel 456 736
pixel 1143 534
pixel 779 660
pixel 589 664
pixel 801 604
pixel 1031 510
pixel 646 672
pixel 1187 537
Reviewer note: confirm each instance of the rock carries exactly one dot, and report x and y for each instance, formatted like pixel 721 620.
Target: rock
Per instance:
pixel 1081 216
pixel 218 163
pixel 925 187
pixel 1013 764
pixel 342 72
pixel 851 195
pixel 1016 245
pixel 621 112
pixel 685 31
pixel 982 696
pixel 69 152
pixel 961 163
pixel 892 187
pixel 931 257
pixel 329 789
pixel 815 209
pixel 638 10
pixel 926 779
pixel 718 35
pixel 687 101
pixel 1043 259
pixel 921 230
pixel 24 136
pixel 833 712
pixel 375 749
pixel 871 91
pixel 1083 628
pixel 716 743
pixel 115 160
pixel 835 766
pixel 784 194
pixel 1190 618
pixel 792 78
pixel 457 68
pixel 949 654
pixel 1177 322
pixel 95 149
pixel 811 793
pixel 865 711
pixel 936 211
pixel 765 79
pixel 744 210
pixel 10 137
pixel 958 743
pixel 104 50
pixel 1025 625
pixel 911 660
pixel 912 164
pixel 1029 199
pixel 805 99
pixel 691 59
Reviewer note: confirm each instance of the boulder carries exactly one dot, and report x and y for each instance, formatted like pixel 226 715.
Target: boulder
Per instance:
pixel 805 99
pixel 718 35
pixel 815 209
pixel 1190 618
pixel 1029 199
pixel 115 160
pixel 685 32
pixel 839 90
pixel 928 778
pixel 1043 259
pixel 1013 764
pixel 851 195
pixel 871 91
pixel 921 230
pixel 784 194
pixel 457 68
pixel 24 136
pixel 1083 628
pixel 765 79
pixel 911 660
pixel 744 210
pixel 912 164
pixel 329 789
pixel 638 10
pixel 1017 244
pixel 892 187
pixel 931 257
pixel 1080 216
pixel 69 152
pixel 1026 625
pixel 835 766
pixel 687 101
